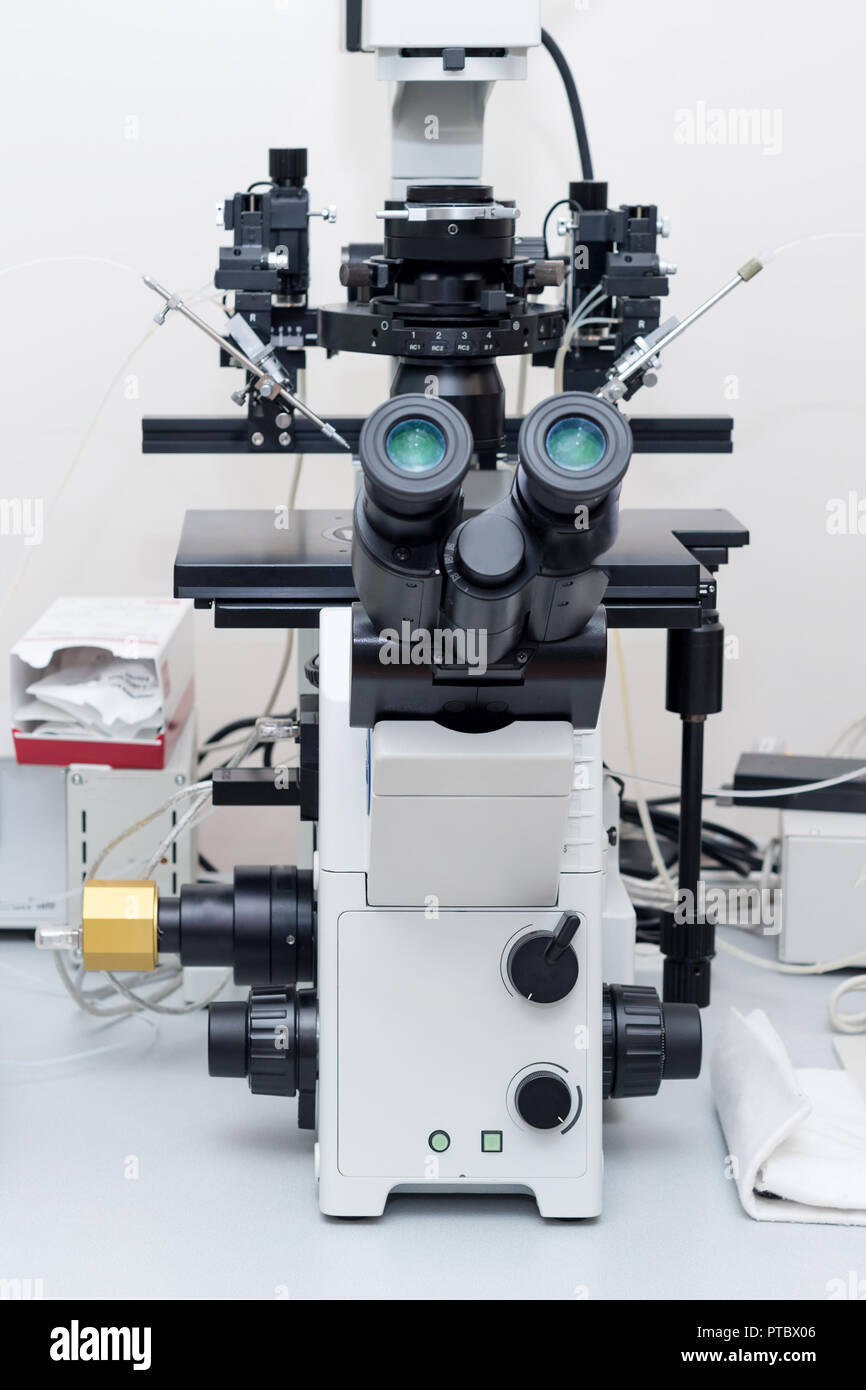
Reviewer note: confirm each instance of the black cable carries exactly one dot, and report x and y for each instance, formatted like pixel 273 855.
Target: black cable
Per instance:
pixel 261 183
pixel 716 826
pixel 233 728
pixel 204 863
pixel 575 207
pixel 720 829
pixel 570 85
pixel 738 858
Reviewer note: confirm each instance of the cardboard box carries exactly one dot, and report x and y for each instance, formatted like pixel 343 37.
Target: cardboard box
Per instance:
pixel 114 680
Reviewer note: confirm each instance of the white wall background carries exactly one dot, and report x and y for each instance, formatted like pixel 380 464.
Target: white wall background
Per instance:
pixel 123 125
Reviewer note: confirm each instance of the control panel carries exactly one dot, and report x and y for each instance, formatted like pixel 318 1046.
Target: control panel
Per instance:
pixel 465 1061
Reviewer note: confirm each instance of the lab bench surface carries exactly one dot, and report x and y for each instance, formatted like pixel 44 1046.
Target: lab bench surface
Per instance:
pixel 130 1174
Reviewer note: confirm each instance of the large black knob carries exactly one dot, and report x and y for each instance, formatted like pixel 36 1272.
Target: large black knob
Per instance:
pixel 490 550
pixel 272 1041
pixel 542 966
pixel 646 1042
pixel 288 166
pixel 543 1100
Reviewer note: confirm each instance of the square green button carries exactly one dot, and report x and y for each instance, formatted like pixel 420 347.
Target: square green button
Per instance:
pixel 491 1141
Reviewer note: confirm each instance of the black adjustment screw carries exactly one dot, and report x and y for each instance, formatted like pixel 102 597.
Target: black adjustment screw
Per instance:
pixel 542 966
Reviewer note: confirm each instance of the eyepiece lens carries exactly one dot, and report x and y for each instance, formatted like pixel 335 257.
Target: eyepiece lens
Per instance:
pixel 575 443
pixel 415 446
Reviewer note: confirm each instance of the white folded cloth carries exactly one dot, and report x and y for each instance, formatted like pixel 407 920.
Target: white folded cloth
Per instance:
pixel 796 1138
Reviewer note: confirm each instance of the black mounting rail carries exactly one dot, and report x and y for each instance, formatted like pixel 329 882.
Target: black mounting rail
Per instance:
pixel 664 434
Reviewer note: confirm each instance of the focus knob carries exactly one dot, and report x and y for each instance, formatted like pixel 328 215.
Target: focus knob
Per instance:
pixel 543 1100
pixel 272 1041
pixel 646 1042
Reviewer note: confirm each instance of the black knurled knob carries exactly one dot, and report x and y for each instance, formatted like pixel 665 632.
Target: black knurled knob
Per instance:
pixel 288 166
pixel 644 1041
pixel 273 1062
pixel 272 1040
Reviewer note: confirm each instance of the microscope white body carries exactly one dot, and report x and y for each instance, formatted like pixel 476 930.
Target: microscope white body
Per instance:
pixel 438 113
pixel 437 851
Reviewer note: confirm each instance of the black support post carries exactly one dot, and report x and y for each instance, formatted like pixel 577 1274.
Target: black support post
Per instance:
pixel 695 659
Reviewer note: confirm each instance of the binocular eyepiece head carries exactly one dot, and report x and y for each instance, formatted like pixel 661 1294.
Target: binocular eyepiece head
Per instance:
pixel 523 566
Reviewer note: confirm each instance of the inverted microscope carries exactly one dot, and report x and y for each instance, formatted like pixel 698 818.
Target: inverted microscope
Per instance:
pixel 447 983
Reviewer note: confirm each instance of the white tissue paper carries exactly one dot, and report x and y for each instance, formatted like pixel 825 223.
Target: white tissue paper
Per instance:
pixel 117 698
pixel 797 1137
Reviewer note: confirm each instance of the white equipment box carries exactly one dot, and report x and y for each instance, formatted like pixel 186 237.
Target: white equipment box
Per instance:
pixel 54 821
pixel 823 913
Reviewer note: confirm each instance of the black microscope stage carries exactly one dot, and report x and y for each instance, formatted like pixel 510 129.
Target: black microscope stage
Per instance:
pixel 263 569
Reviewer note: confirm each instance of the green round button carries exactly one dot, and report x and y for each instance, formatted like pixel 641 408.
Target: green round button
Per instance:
pixel 439 1141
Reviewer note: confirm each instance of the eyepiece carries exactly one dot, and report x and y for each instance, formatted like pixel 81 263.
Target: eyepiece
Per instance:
pixel 415 453
pixel 574 448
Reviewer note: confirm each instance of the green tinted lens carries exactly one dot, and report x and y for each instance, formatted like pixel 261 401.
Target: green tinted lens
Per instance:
pixel 575 443
pixel 415 446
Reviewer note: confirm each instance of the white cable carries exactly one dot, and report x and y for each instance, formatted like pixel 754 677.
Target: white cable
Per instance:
pixel 36 1062
pixel 592 300
pixel 65 260
pixel 858 727
pixel 821 968
pixel 169 1008
pixel 177 796
pixel 88 433
pixel 730 792
pixel 88 1001
pixel 847 1022
pixel 767 256
pixel 202 792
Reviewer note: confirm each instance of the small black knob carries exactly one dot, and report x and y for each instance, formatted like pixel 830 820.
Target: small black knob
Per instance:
pixel 228 1040
pixel 543 1100
pixel 543 966
pixel 355 275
